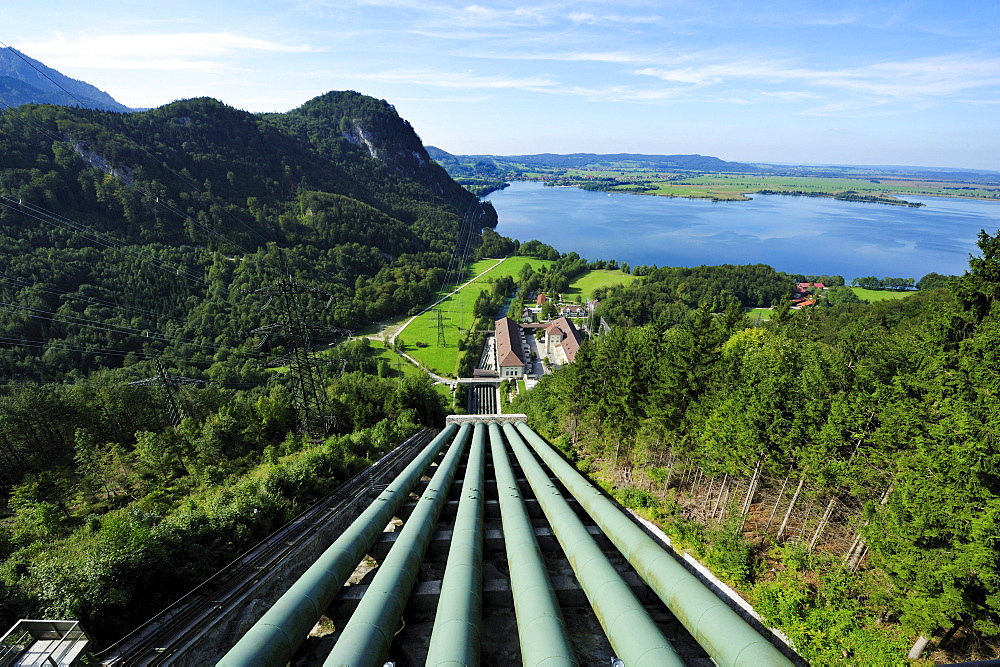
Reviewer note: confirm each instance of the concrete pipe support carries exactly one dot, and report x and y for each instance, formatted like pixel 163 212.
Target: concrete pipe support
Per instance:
pixel 540 627
pixel 634 636
pixel 365 639
pixel 273 640
pixel 724 635
pixel 456 636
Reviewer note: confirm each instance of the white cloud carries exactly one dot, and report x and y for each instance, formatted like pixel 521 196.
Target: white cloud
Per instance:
pixel 465 80
pixel 914 81
pixel 191 51
pixel 791 95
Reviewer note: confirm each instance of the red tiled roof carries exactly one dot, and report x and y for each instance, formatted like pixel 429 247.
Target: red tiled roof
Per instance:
pixel 571 337
pixel 508 343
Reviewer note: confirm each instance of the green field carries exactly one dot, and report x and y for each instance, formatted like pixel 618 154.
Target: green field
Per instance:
pixel 421 335
pixel 741 187
pixel 586 283
pixel 404 366
pixel 880 294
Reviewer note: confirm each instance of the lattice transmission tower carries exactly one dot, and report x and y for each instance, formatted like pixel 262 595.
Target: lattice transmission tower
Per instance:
pixel 440 329
pixel 312 410
pixel 172 385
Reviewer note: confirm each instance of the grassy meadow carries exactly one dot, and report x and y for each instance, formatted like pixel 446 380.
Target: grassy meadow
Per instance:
pixel 741 187
pixel 872 295
pixel 585 284
pixel 420 336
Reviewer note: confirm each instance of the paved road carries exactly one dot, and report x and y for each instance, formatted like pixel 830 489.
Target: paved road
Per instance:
pixel 395 334
pixel 398 331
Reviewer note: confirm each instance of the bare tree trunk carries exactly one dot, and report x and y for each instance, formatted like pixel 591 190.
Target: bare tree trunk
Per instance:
pixel 850 551
pixel 857 444
pixel 859 556
pixel 722 488
pixel 725 499
pixel 704 504
pixel 754 483
pixel 775 508
pixel 791 506
pixel 822 523
pixel 858 548
pixel 670 470
pixel 951 631
pixel 918 648
pixel 805 519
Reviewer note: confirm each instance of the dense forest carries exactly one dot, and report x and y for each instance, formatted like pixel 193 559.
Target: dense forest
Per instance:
pixel 163 272
pixel 187 206
pixel 838 464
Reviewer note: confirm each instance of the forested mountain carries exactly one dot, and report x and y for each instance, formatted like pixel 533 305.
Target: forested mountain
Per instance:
pixel 24 80
pixel 839 464
pixel 97 204
pixel 159 269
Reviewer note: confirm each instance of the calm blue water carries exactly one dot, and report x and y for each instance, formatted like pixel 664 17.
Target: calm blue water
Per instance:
pixel 793 234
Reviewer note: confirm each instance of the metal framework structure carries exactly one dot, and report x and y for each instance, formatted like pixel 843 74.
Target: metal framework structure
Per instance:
pixel 313 415
pixel 172 385
pixel 634 635
pixel 44 642
pixel 440 329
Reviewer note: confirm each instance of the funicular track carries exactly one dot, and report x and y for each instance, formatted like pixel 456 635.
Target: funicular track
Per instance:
pixel 165 637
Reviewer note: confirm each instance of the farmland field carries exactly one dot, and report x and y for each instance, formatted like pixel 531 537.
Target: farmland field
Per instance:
pixel 741 186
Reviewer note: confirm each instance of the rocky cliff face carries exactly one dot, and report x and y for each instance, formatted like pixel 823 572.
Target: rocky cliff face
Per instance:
pixel 373 127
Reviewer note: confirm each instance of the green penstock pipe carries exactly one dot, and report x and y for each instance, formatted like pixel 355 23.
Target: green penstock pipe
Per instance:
pixel 455 638
pixel 367 636
pixel 273 640
pixel 719 630
pixel 634 636
pixel 541 630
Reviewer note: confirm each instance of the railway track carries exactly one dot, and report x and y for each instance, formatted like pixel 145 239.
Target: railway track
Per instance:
pixel 163 639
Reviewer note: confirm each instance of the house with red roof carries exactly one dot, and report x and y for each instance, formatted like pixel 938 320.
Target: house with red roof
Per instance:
pixel 509 348
pixel 562 341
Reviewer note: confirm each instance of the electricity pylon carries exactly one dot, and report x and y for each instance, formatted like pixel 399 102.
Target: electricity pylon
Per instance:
pixel 312 411
pixel 440 329
pixel 172 385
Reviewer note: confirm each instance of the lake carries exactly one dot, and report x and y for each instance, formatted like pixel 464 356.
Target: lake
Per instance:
pixel 807 235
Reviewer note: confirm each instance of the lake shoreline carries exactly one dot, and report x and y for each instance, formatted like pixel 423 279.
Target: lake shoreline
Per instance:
pixel 808 235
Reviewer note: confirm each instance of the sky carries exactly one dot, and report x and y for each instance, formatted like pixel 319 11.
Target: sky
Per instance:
pixel 873 82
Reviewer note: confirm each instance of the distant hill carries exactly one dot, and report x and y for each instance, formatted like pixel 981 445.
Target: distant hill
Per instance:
pixel 587 160
pixel 485 173
pixel 24 80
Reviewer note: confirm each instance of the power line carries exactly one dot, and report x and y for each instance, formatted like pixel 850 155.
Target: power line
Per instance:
pixel 155 196
pixel 127 331
pixel 40 214
pixel 313 414
pixel 138 145
pixel 98 302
